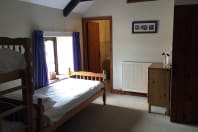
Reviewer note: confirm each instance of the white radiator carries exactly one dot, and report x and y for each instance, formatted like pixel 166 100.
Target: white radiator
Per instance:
pixel 135 76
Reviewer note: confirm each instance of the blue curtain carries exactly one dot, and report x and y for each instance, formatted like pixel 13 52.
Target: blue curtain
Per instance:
pixel 76 51
pixel 39 61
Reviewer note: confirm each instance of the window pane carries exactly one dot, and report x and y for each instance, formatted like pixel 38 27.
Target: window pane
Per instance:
pixel 65 54
pixel 49 51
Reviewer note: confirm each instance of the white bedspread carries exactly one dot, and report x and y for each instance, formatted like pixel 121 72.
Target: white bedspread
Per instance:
pixel 62 96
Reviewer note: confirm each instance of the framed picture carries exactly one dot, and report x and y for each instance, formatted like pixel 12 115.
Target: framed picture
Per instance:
pixel 144 26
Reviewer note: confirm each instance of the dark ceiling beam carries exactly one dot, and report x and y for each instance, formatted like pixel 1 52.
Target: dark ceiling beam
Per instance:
pixel 71 5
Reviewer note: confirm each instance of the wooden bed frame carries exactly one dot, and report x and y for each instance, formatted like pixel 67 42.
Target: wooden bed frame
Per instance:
pixel 81 75
pixel 25 104
pixel 22 45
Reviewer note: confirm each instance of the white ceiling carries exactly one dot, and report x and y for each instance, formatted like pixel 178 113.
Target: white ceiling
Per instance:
pixel 60 4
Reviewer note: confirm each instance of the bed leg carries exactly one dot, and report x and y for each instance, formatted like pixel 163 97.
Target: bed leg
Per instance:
pixel 104 97
pixel 40 118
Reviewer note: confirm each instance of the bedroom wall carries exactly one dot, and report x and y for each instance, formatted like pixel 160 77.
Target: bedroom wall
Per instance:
pixel 19 19
pixel 136 47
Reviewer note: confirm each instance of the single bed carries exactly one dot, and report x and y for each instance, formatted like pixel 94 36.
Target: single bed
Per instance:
pixel 60 101
pixel 15 71
pixel 74 95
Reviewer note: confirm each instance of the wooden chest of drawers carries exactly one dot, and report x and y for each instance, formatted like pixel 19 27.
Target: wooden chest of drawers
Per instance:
pixel 159 81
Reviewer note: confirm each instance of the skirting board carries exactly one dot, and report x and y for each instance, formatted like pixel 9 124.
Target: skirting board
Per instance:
pixel 116 91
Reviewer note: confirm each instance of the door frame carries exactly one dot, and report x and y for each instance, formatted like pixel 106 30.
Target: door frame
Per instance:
pixel 85 55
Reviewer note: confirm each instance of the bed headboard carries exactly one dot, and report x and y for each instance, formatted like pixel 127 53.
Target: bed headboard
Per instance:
pixel 23 46
pixel 88 75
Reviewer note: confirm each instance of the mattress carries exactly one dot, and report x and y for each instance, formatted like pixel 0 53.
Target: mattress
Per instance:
pixel 62 96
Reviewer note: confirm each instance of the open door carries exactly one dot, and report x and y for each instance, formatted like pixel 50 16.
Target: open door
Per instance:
pixel 93 45
pixel 97 46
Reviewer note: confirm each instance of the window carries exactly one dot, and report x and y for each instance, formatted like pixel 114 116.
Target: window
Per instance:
pixel 59 54
pixel 50 43
pixel 65 54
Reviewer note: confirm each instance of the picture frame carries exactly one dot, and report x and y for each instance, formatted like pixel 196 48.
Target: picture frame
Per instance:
pixel 145 26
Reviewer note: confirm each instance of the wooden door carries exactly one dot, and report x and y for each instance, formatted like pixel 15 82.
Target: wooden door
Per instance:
pixel 93 46
pixel 184 98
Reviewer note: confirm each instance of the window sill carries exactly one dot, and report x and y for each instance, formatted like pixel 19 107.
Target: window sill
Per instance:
pixel 58 78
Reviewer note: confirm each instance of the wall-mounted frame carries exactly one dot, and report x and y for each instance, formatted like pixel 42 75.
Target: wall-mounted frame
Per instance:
pixel 144 26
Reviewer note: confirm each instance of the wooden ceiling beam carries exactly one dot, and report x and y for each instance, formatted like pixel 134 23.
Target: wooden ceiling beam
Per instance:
pixel 71 5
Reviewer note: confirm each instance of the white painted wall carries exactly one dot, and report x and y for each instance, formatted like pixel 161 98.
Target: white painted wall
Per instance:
pixel 136 47
pixel 19 19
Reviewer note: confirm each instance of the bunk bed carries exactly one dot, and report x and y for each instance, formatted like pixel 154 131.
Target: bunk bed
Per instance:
pixel 13 49
pixel 48 118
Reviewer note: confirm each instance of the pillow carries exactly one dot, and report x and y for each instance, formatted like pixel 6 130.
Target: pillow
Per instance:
pixel 11 60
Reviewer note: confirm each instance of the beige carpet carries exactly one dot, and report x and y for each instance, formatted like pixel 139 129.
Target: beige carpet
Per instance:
pixel 96 118
pixel 128 101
